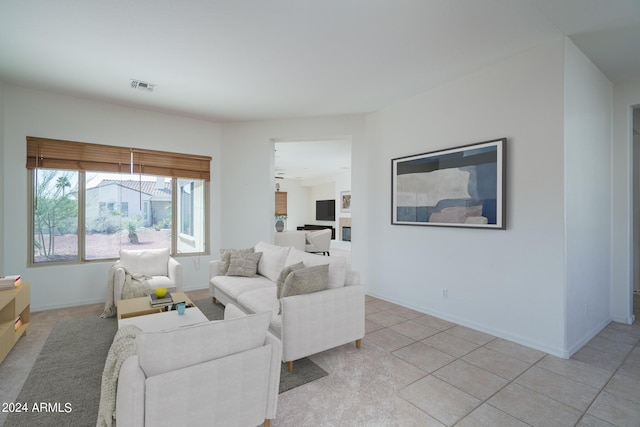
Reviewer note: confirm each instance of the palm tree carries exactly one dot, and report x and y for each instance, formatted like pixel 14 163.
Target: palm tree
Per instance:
pixel 62 182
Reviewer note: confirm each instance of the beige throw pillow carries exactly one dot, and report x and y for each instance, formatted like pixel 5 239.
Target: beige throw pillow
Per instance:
pixel 305 281
pixel 244 264
pixel 283 275
pixel 225 258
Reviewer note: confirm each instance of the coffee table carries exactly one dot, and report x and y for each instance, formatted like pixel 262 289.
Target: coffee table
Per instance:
pixel 138 311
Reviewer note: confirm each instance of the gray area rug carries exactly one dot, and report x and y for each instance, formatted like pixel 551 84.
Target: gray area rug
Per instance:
pixel 63 387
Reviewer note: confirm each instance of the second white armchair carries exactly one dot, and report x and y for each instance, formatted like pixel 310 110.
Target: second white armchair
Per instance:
pixel 318 242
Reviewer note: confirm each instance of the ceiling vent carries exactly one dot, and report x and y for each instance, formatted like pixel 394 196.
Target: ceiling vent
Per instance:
pixel 145 86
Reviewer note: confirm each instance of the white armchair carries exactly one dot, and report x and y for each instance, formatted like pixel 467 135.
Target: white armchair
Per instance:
pixel 318 242
pixel 221 373
pixel 163 270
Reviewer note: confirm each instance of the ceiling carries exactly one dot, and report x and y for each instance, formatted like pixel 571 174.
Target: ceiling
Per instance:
pixel 311 159
pixel 233 60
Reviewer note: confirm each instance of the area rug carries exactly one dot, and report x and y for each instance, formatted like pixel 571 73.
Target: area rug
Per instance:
pixel 63 387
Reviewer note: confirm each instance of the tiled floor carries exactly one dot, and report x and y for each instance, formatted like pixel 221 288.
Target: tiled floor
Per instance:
pixel 452 375
pixel 417 370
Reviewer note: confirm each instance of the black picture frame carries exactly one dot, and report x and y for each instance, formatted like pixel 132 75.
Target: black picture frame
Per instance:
pixel 464 186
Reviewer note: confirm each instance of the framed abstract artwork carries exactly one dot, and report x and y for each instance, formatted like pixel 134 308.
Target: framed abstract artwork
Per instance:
pixel 345 201
pixel 457 187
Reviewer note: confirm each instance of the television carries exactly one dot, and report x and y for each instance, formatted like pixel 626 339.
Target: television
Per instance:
pixel 325 210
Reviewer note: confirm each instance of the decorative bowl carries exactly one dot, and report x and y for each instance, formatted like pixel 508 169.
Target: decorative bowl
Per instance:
pixel 161 292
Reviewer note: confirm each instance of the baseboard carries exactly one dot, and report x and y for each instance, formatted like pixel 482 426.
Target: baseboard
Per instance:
pixel 518 339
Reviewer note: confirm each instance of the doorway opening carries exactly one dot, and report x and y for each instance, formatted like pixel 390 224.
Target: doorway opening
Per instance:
pixel 314 173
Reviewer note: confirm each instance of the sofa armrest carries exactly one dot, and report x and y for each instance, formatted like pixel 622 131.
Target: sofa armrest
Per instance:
pixel 315 322
pixel 353 278
pixel 118 284
pixel 175 273
pixel 214 268
pixel 130 395
pixel 274 375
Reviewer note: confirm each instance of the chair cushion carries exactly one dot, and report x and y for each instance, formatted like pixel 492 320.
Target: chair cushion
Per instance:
pixel 273 259
pixel 234 286
pixel 337 265
pixel 160 352
pixel 150 262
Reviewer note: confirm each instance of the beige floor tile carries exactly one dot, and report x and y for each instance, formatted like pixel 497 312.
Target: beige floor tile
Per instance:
pixel 626 387
pixel 534 408
pixel 488 416
pixel 371 308
pixel 598 358
pixel 404 373
pixel 626 337
pixel 388 339
pixel 471 379
pixel 471 335
pixel 517 351
pixel 497 363
pixel 370 326
pixel 591 421
pixel 407 313
pixel 610 346
pixel 424 357
pixel 576 370
pixel 631 368
pixel 450 344
pixel 563 389
pixel 414 330
pixel 440 400
pixel 631 329
pixel 435 322
pixel 386 319
pixel 407 415
pixel 616 410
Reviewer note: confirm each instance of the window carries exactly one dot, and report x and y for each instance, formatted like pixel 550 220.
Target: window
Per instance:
pixel 82 215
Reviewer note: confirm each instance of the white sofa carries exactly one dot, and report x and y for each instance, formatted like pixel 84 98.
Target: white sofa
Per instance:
pixel 220 373
pixel 163 270
pixel 309 323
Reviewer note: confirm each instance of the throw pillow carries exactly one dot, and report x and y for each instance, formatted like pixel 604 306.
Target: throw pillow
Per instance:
pixel 284 273
pixel 306 281
pixel 244 264
pixel 225 258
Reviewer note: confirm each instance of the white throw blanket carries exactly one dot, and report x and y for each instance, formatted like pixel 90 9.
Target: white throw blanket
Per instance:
pixel 122 348
pixel 135 285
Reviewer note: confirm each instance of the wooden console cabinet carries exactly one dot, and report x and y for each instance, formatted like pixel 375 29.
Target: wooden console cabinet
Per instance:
pixel 13 303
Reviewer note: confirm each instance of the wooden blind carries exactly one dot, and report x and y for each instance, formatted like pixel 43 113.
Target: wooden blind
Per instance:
pixel 81 156
pixel 281 203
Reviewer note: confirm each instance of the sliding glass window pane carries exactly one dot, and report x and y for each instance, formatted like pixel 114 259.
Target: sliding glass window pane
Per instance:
pixel 191 215
pixel 125 211
pixel 55 216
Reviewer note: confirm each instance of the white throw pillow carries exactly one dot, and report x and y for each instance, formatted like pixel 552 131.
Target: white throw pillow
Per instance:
pixel 272 260
pixel 150 262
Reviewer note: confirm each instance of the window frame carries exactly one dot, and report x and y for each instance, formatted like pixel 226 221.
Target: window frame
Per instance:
pixel 164 162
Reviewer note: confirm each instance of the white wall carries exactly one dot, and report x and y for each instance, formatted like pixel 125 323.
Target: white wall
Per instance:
pixel 588 106
pixel 248 183
pixel 625 97
pixel 508 283
pixel 36 113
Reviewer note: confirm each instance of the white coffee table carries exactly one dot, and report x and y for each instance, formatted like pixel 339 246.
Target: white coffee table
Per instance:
pixel 166 320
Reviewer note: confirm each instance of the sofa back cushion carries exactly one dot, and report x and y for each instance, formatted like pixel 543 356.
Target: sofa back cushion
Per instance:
pixel 337 265
pixel 150 262
pixel 272 260
pixel 160 352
